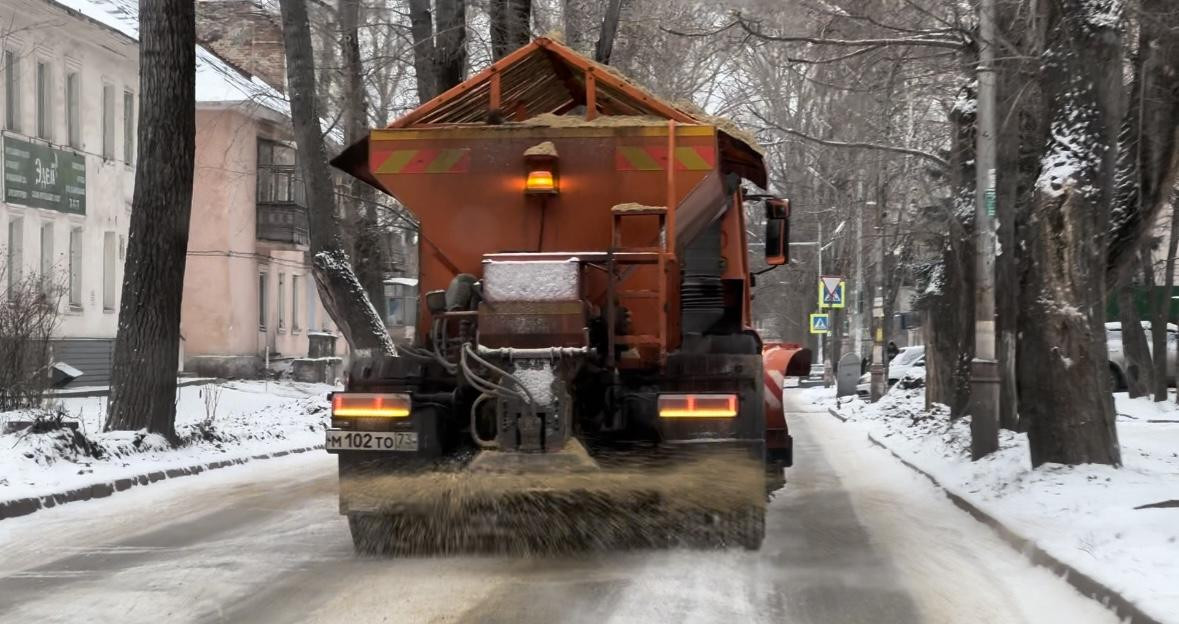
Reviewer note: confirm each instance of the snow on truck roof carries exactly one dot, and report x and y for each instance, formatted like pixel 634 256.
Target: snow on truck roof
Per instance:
pixel 216 80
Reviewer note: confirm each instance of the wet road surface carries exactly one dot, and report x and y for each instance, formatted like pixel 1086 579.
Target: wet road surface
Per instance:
pixel 853 537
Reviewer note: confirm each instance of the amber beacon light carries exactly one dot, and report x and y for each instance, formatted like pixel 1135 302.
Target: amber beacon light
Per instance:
pixel 540 161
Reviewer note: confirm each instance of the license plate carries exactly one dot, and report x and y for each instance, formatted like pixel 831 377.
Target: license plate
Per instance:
pixel 371 440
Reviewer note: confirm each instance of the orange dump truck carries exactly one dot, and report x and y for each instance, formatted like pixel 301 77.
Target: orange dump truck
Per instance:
pixel 586 305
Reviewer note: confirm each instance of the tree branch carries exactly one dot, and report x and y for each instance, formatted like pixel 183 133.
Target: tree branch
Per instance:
pixel 932 158
pixel 921 40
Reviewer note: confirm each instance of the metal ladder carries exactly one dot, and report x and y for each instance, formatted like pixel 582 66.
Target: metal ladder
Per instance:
pixel 627 258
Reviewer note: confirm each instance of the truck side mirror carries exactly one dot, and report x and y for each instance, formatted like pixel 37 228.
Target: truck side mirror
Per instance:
pixel 777 231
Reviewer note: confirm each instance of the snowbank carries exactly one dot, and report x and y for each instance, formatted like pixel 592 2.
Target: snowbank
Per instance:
pixel 1089 517
pixel 249 418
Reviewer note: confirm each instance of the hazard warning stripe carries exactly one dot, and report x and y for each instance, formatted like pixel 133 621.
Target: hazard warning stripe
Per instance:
pixel 773 381
pixel 642 158
pixel 423 161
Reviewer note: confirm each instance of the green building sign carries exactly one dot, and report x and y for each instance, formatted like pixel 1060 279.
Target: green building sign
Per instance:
pixel 40 176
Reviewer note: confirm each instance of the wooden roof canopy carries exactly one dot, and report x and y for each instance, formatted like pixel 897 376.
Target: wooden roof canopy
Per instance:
pixel 548 77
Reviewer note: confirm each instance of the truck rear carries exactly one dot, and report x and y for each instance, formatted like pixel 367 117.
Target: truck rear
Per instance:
pixel 584 373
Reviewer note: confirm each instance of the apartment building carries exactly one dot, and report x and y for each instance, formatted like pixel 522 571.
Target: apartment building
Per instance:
pixel 68 114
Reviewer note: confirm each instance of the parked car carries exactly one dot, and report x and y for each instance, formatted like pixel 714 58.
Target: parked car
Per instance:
pixel 908 359
pixel 1117 356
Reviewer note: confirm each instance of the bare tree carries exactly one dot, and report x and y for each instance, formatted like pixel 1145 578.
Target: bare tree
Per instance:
pixel 1070 409
pixel 29 315
pixel 368 247
pixel 510 25
pixel 1138 373
pixel 341 292
pixel 147 346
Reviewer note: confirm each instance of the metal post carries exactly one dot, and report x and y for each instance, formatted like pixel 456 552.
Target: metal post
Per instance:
pixel 984 390
pixel 879 383
pixel 857 325
pixel 819 246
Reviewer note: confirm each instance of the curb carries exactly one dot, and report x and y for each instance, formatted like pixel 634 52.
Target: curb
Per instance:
pixel 24 506
pixel 1125 610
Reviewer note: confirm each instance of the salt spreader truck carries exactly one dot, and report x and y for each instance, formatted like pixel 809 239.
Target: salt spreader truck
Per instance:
pixel 586 313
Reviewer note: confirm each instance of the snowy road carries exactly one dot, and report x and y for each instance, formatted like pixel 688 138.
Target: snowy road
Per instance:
pixel 854 537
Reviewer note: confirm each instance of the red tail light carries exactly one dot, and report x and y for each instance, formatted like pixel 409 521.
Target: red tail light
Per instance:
pixel 366 405
pixel 697 405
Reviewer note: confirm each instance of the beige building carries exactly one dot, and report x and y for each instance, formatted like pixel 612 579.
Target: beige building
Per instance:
pixel 249 296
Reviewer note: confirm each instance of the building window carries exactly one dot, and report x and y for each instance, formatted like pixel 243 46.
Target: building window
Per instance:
pixel 296 282
pixel 47 257
pixel 16 250
pixel 73 111
pixel 262 301
pixel 108 271
pixel 76 268
pixel 44 101
pixel 108 122
pixel 278 180
pixel 282 298
pixel 128 127
pixel 311 307
pixel 11 91
pixel 401 304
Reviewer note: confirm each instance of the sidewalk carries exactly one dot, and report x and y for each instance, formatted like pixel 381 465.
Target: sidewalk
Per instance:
pixel 219 424
pixel 1110 531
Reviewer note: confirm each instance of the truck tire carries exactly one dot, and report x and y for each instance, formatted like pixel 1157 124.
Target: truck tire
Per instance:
pixel 751 528
pixel 372 534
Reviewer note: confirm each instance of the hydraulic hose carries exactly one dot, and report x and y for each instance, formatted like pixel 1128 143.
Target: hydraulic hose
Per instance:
pixel 435 339
pixel 487 444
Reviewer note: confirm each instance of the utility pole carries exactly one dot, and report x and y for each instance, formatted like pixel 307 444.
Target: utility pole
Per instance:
pixel 984 378
pixel 879 383
pixel 822 337
pixel 857 320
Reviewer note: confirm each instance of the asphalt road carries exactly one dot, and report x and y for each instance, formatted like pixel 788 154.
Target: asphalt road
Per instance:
pixel 854 537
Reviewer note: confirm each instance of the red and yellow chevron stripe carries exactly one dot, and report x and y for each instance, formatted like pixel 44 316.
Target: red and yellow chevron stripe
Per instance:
pixel 423 161
pixel 643 158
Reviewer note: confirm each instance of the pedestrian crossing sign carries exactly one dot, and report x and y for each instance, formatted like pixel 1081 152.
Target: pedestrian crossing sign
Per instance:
pixel 820 323
pixel 832 289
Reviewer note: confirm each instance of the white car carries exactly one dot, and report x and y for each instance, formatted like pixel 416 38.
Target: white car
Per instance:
pixel 1117 355
pixel 907 359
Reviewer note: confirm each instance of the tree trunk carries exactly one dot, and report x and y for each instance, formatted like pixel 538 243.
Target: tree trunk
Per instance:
pixel 369 246
pixel 510 25
pixel 147 347
pixel 1160 310
pixel 1071 408
pixel 581 20
pixel 342 294
pixel 1138 372
pixel 609 31
pixel 450 42
pixel 422 30
pixel 1148 152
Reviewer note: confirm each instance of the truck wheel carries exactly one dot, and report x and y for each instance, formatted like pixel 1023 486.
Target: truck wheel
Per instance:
pixel 371 534
pixel 751 527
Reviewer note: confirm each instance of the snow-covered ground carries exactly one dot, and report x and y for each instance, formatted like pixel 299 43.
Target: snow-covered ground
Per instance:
pixel 1086 516
pixel 215 422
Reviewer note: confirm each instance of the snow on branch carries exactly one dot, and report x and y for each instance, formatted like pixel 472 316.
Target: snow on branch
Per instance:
pixel 940 162
pixel 939 40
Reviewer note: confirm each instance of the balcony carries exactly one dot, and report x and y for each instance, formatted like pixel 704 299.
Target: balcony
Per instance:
pixel 282 222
